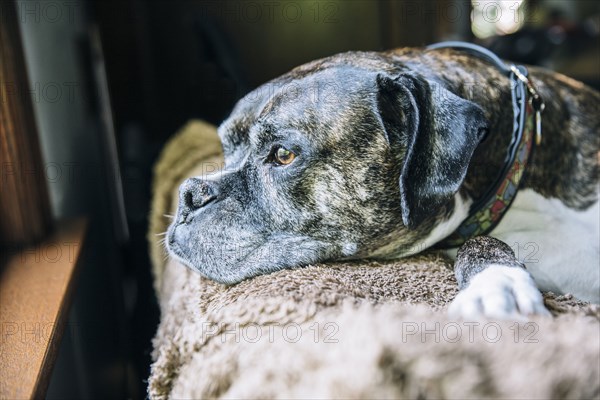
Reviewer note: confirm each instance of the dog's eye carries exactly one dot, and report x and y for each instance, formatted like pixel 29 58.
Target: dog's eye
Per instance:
pixel 283 156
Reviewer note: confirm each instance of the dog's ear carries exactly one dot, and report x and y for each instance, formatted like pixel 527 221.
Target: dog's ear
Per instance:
pixel 438 132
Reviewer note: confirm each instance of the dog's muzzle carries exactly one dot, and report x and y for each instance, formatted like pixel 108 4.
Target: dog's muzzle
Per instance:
pixel 194 194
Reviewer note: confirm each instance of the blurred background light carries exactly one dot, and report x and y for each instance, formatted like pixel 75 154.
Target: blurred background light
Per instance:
pixel 492 17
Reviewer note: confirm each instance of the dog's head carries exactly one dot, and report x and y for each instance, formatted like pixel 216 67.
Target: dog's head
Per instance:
pixel 347 157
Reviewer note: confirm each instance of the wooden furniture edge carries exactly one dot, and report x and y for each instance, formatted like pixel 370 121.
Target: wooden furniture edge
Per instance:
pixel 26 277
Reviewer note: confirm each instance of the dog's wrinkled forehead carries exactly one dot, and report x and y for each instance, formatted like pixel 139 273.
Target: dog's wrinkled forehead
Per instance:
pixel 320 92
pixel 315 103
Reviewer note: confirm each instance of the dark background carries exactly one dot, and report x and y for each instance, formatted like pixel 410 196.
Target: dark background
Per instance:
pixel 141 69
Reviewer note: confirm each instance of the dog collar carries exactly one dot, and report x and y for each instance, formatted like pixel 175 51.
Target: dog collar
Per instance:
pixel 527 104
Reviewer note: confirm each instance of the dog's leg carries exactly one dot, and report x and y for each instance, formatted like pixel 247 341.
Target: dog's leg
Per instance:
pixel 493 283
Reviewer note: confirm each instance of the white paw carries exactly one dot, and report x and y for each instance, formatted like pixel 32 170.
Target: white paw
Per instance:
pixel 499 292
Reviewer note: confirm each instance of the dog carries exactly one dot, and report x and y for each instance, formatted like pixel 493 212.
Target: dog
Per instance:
pixel 380 155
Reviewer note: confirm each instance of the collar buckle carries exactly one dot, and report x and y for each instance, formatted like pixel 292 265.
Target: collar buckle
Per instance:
pixel 536 102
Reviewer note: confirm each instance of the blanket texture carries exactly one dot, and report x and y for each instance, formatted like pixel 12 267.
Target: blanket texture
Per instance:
pixel 348 330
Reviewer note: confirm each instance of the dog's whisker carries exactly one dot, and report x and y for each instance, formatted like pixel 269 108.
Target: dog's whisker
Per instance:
pixel 168 216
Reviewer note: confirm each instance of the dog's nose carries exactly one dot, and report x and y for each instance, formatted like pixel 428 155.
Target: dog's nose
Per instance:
pixel 194 193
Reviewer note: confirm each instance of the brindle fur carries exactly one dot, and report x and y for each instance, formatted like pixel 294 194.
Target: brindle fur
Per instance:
pixel 566 165
pixel 478 253
pixel 341 197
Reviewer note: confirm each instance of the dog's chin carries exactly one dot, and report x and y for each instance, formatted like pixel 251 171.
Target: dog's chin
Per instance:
pixel 174 255
pixel 228 263
pixel 207 268
pixel 228 272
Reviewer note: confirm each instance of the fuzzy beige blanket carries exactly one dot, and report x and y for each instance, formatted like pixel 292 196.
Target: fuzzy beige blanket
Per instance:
pixel 347 330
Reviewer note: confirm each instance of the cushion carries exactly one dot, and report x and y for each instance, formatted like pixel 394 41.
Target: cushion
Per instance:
pixel 365 329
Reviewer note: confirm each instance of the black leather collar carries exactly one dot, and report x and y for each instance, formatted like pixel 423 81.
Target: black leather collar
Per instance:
pixel 485 213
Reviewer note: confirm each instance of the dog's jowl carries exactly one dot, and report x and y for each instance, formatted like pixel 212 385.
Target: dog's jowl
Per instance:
pixel 381 155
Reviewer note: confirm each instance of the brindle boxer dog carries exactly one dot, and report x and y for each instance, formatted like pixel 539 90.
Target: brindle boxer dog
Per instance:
pixel 380 155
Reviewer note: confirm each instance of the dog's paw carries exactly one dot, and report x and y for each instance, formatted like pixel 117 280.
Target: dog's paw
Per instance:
pixel 499 292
